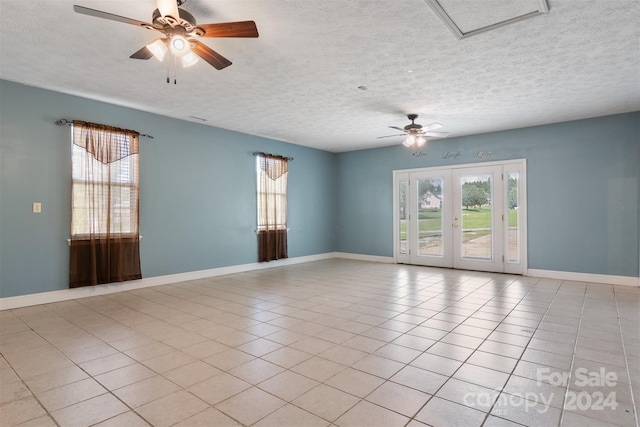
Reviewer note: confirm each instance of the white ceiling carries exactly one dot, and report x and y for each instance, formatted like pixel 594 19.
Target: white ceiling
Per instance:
pixel 298 82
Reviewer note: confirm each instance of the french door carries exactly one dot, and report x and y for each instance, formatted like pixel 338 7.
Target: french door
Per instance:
pixel 469 217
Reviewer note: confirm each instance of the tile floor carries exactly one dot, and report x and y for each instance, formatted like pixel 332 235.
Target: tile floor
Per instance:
pixel 329 343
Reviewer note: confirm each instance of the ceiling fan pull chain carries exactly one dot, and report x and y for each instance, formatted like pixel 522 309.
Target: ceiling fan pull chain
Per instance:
pixel 168 80
pixel 175 69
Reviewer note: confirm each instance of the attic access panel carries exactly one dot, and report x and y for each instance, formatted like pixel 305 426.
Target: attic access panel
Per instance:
pixel 466 18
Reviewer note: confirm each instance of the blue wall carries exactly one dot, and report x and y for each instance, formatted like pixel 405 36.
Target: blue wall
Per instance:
pixel 197 201
pixel 198 191
pixel 583 191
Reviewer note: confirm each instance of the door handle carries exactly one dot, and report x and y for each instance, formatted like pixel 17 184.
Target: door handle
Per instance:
pixel 455 225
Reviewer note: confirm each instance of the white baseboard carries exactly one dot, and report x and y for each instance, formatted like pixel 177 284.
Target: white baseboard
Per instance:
pixel 19 301
pixel 362 257
pixel 585 277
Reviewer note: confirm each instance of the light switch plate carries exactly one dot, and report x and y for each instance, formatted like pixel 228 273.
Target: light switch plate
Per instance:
pixel 37 207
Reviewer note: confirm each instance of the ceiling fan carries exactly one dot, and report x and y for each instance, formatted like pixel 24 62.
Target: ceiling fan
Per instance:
pixel 180 34
pixel 416 133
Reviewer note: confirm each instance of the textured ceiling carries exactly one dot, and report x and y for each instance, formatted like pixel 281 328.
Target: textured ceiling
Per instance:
pixel 299 81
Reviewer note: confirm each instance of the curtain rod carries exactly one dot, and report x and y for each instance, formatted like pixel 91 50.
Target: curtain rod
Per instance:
pixel 257 153
pixel 68 122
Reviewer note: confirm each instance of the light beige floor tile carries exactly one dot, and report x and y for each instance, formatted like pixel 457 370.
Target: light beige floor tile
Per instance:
pixel 365 344
pixel 7 375
pixel 397 353
pixel 484 377
pixel 131 341
pixel 312 345
pixel 288 385
pixel 326 402
pixel 259 347
pixel 192 373
pixel 250 405
pixel 516 409
pixel 318 368
pixel 185 340
pixel 355 382
pixel 442 413
pixel 329 315
pixel 37 360
pixel 291 416
pixel 91 353
pixel 20 411
pixel 435 363
pixel 15 390
pixel 287 357
pixel 145 391
pixel 399 398
pixel 43 421
pixel 218 388
pixel 571 419
pixel 90 411
pixel 171 409
pixel 149 351
pixel 419 379
pixel 127 419
pixel 124 376
pixel 368 414
pixel 256 371
pixel 70 394
pixel 205 349
pixel 335 336
pixel 57 378
pixel 106 364
pixel 169 361
pixel 228 359
pixel 343 355
pixel 493 421
pixel 493 361
pixel 378 366
pixel 208 418
pixel 468 394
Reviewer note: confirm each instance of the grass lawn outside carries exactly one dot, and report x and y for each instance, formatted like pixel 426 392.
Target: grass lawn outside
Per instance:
pixel 430 222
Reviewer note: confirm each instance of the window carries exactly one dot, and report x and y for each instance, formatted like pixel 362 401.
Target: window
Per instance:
pixel 272 193
pixel 105 240
pixel 272 206
pixel 104 196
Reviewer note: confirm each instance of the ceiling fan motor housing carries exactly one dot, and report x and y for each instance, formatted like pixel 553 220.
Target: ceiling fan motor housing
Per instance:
pixel 413 127
pixel 187 21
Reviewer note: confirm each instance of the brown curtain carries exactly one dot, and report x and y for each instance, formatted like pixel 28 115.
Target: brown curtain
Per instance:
pixel 105 239
pixel 272 207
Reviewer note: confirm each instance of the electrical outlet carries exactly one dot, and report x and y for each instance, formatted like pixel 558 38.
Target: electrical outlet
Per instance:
pixel 37 207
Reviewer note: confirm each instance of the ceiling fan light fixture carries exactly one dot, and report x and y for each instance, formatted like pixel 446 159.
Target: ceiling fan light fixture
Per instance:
pixel 158 48
pixel 179 45
pixel 421 140
pixel 189 59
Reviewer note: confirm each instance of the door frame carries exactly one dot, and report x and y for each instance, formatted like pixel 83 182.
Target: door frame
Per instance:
pixel 519 165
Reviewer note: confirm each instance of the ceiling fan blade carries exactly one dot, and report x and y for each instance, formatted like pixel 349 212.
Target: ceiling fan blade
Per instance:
pixel 143 53
pixel 433 126
pixel 389 136
pixel 437 134
pixel 396 127
pixel 168 8
pixel 212 57
pixel 100 14
pixel 230 29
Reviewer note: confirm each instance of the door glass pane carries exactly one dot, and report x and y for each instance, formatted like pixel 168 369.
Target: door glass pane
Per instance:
pixel 430 225
pixel 513 201
pixel 476 216
pixel 402 215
